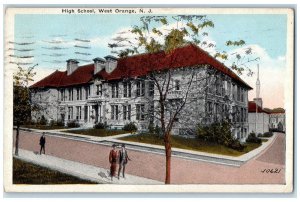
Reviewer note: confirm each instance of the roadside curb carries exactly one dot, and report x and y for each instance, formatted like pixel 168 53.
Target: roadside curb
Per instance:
pixel 157 149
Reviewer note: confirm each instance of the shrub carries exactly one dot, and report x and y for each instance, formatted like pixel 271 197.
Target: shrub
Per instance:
pixel 43 120
pixel 216 132
pixel 100 125
pixel 32 122
pixel 73 124
pixel 131 127
pixel 52 123
pixel 276 130
pixel 268 134
pixel 60 123
pixel 219 133
pixel 151 128
pixel 157 130
pixel 253 139
pixel 236 145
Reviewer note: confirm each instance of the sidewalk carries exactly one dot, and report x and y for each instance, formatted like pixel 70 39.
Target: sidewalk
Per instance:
pixel 83 171
pixel 157 149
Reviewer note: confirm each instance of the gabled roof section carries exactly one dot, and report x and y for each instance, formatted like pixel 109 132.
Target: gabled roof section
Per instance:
pixel 252 108
pixel 82 75
pixel 53 80
pixel 186 56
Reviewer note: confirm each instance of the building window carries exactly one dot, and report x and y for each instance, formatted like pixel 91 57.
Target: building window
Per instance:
pixel 127 89
pixel 234 111
pixel 233 92
pixel 151 113
pixel 87 92
pixel 115 90
pixel 219 86
pixel 70 113
pixel 78 113
pixel 210 83
pixel 71 94
pixel 79 94
pixel 224 87
pixel 177 85
pixel 140 112
pixel 99 89
pixel 126 112
pixel 114 112
pixel 242 95
pixel 151 88
pixel 208 107
pixel 242 115
pixel 140 88
pixel 62 94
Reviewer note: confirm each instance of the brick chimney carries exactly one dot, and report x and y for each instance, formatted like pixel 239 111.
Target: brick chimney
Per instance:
pixel 99 64
pixel 111 63
pixel 72 65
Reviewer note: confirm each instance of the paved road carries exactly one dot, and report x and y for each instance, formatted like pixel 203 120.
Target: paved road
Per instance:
pixel 152 166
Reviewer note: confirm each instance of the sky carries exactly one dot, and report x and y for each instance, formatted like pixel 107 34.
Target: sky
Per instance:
pixel 49 40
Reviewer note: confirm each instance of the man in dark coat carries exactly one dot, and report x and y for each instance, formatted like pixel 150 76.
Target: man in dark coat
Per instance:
pixel 123 160
pixel 113 157
pixel 42 143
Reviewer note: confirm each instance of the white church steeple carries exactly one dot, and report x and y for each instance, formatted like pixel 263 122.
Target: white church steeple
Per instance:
pixel 257 83
pixel 257 99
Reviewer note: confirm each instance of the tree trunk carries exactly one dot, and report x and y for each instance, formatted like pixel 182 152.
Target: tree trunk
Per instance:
pixel 17 141
pixel 168 158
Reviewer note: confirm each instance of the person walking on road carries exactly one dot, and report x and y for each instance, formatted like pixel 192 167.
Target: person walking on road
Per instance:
pixel 123 160
pixel 42 143
pixel 113 157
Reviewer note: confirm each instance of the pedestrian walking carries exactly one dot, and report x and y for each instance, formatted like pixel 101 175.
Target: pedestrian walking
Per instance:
pixel 113 157
pixel 42 143
pixel 123 160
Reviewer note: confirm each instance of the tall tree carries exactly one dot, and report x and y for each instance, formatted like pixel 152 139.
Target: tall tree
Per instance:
pixel 162 34
pixel 21 99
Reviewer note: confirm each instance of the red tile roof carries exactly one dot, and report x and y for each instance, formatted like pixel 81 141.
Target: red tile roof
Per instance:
pixel 187 56
pixel 252 108
pixel 82 75
pixel 141 65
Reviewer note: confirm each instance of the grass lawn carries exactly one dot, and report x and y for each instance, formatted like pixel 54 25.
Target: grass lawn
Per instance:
pixel 43 127
pixel 27 173
pixel 97 132
pixel 191 144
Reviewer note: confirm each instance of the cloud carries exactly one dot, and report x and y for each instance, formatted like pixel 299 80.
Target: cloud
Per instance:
pixel 272 74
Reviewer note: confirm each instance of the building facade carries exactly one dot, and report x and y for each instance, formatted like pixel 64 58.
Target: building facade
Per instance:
pixel 259 119
pixel 119 91
pixel 277 121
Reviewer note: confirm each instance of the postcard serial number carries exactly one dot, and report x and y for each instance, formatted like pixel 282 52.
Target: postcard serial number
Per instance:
pixel 272 170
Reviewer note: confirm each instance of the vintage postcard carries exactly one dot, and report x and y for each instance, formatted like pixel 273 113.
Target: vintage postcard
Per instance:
pixel 149 99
